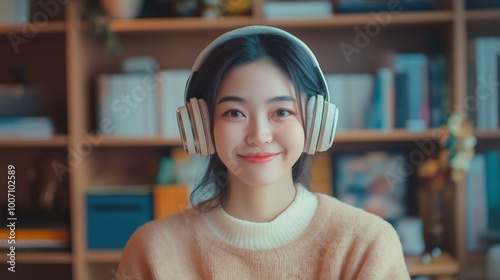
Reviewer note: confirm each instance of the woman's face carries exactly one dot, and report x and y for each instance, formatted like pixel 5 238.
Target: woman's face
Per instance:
pixel 258 132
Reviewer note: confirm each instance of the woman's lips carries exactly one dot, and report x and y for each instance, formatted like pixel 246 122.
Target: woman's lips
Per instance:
pixel 258 158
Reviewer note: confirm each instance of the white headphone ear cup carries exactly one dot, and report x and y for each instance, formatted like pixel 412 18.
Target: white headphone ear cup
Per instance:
pixel 316 124
pixel 206 125
pixel 327 127
pixel 186 130
pixel 309 118
pixel 199 130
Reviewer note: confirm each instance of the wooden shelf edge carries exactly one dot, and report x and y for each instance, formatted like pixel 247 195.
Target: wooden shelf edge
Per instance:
pixel 103 256
pixel 444 265
pixel 44 257
pixel 140 142
pixel 176 24
pixel 56 141
pixel 487 135
pixel 50 27
pixel 483 15
pixel 397 135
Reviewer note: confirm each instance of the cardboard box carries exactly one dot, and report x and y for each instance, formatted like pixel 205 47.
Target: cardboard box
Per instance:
pixel 169 199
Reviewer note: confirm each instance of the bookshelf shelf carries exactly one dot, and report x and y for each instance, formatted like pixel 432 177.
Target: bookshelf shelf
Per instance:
pixel 487 135
pixel 171 24
pixel 400 135
pixel 104 256
pixel 355 136
pixel 50 27
pixel 483 15
pixel 56 141
pixel 141 142
pixel 444 265
pixel 44 257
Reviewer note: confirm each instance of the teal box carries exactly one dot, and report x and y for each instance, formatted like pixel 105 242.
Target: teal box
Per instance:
pixel 114 214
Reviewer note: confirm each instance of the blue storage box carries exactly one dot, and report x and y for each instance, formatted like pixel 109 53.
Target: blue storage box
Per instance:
pixel 113 214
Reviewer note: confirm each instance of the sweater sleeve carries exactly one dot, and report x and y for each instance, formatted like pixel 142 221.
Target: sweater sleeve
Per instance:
pixel 384 257
pixel 136 260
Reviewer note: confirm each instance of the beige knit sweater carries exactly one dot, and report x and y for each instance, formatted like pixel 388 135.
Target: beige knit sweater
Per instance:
pixel 341 242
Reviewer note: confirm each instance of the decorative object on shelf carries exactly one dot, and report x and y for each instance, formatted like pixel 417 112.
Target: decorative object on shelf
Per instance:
pixel 218 8
pixel 100 23
pixel 457 142
pixel 122 9
pixel 439 175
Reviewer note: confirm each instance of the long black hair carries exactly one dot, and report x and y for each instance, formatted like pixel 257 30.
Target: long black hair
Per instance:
pixel 293 60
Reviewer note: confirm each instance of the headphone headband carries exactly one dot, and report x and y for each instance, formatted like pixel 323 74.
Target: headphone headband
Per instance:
pixel 248 30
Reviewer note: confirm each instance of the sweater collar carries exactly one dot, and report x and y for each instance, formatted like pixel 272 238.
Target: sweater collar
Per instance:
pixel 285 228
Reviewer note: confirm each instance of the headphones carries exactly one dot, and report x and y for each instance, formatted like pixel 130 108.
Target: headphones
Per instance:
pixel 193 118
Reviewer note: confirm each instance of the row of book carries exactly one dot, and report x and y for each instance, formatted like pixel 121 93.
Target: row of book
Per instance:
pixel 483 99
pixel 483 201
pixel 137 105
pixel 26 127
pixel 14 11
pixel 413 94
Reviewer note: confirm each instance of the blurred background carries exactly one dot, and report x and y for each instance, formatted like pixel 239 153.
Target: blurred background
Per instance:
pixel 90 149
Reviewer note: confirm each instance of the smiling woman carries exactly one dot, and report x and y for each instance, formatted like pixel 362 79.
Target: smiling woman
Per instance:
pixel 257 105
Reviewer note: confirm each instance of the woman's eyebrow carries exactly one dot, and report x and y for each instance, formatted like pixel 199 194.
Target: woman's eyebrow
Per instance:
pixel 269 101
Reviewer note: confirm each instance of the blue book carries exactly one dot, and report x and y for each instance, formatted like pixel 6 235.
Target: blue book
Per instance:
pixel 492 160
pixel 347 6
pixel 401 99
pixel 435 91
pixel 481 4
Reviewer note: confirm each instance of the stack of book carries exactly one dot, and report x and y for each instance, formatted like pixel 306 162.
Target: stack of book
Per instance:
pixel 35 238
pixel 140 105
pixel 26 127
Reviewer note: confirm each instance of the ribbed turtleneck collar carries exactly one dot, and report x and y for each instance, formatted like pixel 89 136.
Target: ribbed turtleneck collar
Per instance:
pixel 285 228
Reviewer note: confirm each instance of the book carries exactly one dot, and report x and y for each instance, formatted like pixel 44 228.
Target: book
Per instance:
pixel 170 97
pixel 476 209
pixel 297 9
pixel 492 161
pixel 366 6
pixel 26 127
pixel 14 11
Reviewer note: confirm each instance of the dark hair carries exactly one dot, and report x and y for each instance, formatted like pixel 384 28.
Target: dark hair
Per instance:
pixel 287 55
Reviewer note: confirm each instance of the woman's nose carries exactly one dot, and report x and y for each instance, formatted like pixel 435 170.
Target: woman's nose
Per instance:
pixel 260 132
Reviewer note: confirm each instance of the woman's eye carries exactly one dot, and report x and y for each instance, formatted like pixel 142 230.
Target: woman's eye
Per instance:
pixel 233 114
pixel 283 113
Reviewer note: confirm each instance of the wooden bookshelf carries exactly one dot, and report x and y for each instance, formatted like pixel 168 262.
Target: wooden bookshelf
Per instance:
pixel 103 256
pixel 56 141
pixel 44 257
pixel 138 142
pixel 84 59
pixel 50 27
pixel 483 15
pixel 443 265
pixel 143 25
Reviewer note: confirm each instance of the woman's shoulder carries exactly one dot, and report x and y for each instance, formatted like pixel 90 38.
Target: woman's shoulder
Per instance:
pixel 177 224
pixel 350 219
